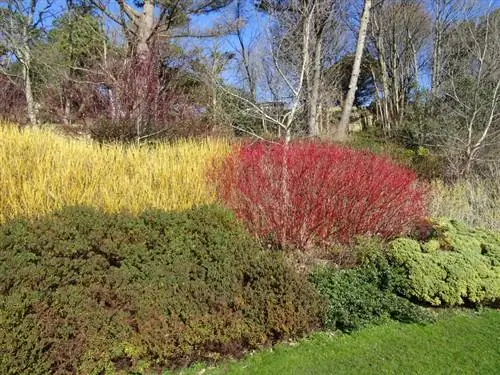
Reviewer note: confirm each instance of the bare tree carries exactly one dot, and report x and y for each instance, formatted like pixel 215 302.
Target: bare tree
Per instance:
pixel 325 34
pixel 360 46
pixel 470 88
pixel 20 23
pixel 398 33
pixel 213 62
pixel 245 50
pixel 146 21
pixel 445 13
pixel 325 38
pixel 286 67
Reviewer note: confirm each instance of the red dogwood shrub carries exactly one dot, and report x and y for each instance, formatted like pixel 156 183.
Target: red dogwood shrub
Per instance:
pixel 304 194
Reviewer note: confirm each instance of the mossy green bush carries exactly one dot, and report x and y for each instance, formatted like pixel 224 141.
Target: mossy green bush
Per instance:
pixel 454 266
pixel 92 293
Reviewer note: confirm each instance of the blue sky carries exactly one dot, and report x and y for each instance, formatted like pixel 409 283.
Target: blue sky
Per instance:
pixel 200 21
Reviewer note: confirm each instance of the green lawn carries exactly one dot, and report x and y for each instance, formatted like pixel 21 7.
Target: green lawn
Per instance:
pixel 463 343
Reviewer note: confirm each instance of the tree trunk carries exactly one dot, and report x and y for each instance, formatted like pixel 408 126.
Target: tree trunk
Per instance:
pixel 28 91
pixel 67 112
pixel 315 88
pixel 415 63
pixel 245 54
pixel 320 118
pixel 395 70
pixel 436 63
pixel 346 111
pixel 145 27
pixel 385 87
pixel 436 48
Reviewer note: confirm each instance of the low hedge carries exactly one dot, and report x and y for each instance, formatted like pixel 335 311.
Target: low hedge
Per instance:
pixel 86 292
pixel 364 296
pixel 455 265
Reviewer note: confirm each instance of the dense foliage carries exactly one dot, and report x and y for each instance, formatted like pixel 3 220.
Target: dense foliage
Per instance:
pixel 366 294
pixel 454 265
pixel 313 193
pixel 42 171
pixel 426 164
pixel 86 292
pixel 355 301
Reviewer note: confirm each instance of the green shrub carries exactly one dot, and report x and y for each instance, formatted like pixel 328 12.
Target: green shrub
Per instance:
pixel 355 302
pixel 454 267
pixel 86 292
pixel 364 295
pixel 426 164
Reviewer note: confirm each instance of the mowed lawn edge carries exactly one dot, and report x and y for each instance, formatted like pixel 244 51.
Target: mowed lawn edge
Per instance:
pixel 459 343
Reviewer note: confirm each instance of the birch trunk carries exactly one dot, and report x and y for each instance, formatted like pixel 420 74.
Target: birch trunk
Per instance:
pixel 385 86
pixel 436 52
pixel 30 101
pixel 346 112
pixel 315 87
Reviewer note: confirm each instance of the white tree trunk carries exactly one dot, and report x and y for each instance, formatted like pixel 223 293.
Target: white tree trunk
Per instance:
pixel 385 86
pixel 315 88
pixel 436 53
pixel 28 91
pixel 67 112
pixel 353 84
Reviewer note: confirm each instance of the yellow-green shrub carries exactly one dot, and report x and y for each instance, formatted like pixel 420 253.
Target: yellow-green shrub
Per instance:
pixel 456 266
pixel 41 171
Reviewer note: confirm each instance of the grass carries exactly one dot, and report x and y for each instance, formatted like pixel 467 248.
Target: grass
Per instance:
pixel 475 202
pixel 460 343
pixel 41 171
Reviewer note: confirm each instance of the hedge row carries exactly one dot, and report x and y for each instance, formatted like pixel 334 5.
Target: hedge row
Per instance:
pixel 357 298
pixel 86 292
pixel 83 291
